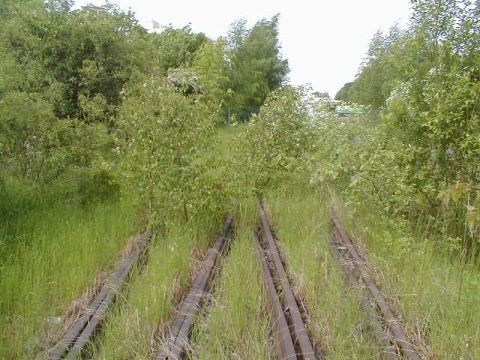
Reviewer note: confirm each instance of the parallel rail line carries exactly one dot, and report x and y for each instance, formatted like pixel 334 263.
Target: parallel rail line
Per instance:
pixel 82 330
pixel 177 339
pixel 289 330
pixel 389 329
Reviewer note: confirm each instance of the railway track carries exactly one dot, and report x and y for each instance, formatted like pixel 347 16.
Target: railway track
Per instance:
pixel 286 312
pixel 288 327
pixel 176 344
pixel 82 330
pixel 382 317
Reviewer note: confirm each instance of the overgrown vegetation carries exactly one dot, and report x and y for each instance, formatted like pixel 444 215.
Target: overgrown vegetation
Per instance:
pixel 101 120
pixel 278 139
pixel 235 325
pixel 337 322
pixel 424 151
pixel 149 303
pixel 58 253
pixel 166 135
pixel 72 80
pixel 99 117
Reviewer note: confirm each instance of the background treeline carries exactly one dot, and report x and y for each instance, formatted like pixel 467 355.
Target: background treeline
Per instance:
pixel 85 95
pixel 425 149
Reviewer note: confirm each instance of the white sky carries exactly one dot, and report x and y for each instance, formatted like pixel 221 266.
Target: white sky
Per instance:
pixel 324 41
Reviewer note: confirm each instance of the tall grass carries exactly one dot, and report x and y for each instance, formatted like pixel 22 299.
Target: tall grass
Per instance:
pixel 236 325
pixel 438 295
pixel 337 322
pixel 149 305
pixel 54 253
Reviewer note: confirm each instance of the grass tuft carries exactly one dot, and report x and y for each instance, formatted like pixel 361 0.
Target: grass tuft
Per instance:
pixel 337 322
pixel 236 325
pixel 59 251
pixel 439 297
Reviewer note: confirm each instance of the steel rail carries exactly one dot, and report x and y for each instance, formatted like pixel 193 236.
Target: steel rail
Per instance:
pixel 280 329
pixel 276 273
pixel 391 321
pixel 388 348
pixel 82 330
pixel 178 335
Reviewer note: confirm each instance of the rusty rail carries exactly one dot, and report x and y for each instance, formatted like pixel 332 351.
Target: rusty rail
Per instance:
pixel 177 339
pixel 289 330
pixel 82 330
pixel 389 329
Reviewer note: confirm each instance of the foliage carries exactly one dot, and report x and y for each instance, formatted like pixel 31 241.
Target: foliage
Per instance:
pixel 34 142
pixel 84 56
pixel 279 138
pixel 99 185
pixel 184 80
pixel 164 135
pixel 257 67
pixel 211 66
pixel 362 161
pixel 177 47
pixel 426 79
pixel 65 74
pixel 379 72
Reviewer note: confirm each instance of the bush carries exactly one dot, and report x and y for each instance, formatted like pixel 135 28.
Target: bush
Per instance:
pixel 163 138
pixel 279 138
pixel 99 185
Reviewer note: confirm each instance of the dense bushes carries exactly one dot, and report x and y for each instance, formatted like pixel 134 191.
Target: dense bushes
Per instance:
pixel 278 139
pixel 75 81
pixel 426 82
pixel 164 138
pixel 64 73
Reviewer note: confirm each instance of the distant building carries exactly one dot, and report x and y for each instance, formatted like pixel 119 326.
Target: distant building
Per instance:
pixel 348 111
pixel 95 9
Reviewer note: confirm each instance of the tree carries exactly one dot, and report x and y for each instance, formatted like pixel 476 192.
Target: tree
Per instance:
pixel 164 135
pixel 211 66
pixel 346 92
pixel 257 67
pixel 278 138
pixel 75 57
pixel 426 79
pixel 177 47
pixel 63 72
pixel 379 72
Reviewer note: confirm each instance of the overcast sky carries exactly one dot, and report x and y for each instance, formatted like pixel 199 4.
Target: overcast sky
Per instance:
pixel 324 41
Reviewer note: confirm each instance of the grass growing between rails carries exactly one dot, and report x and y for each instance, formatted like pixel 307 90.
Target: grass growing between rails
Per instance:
pixel 151 297
pixel 236 326
pixel 58 253
pixel 438 296
pixel 337 322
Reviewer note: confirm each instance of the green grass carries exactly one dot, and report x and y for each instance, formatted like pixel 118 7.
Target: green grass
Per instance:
pixel 149 304
pixel 50 257
pixel 438 296
pixel 58 252
pixel 337 322
pixel 150 300
pixel 236 326
pixel 236 322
